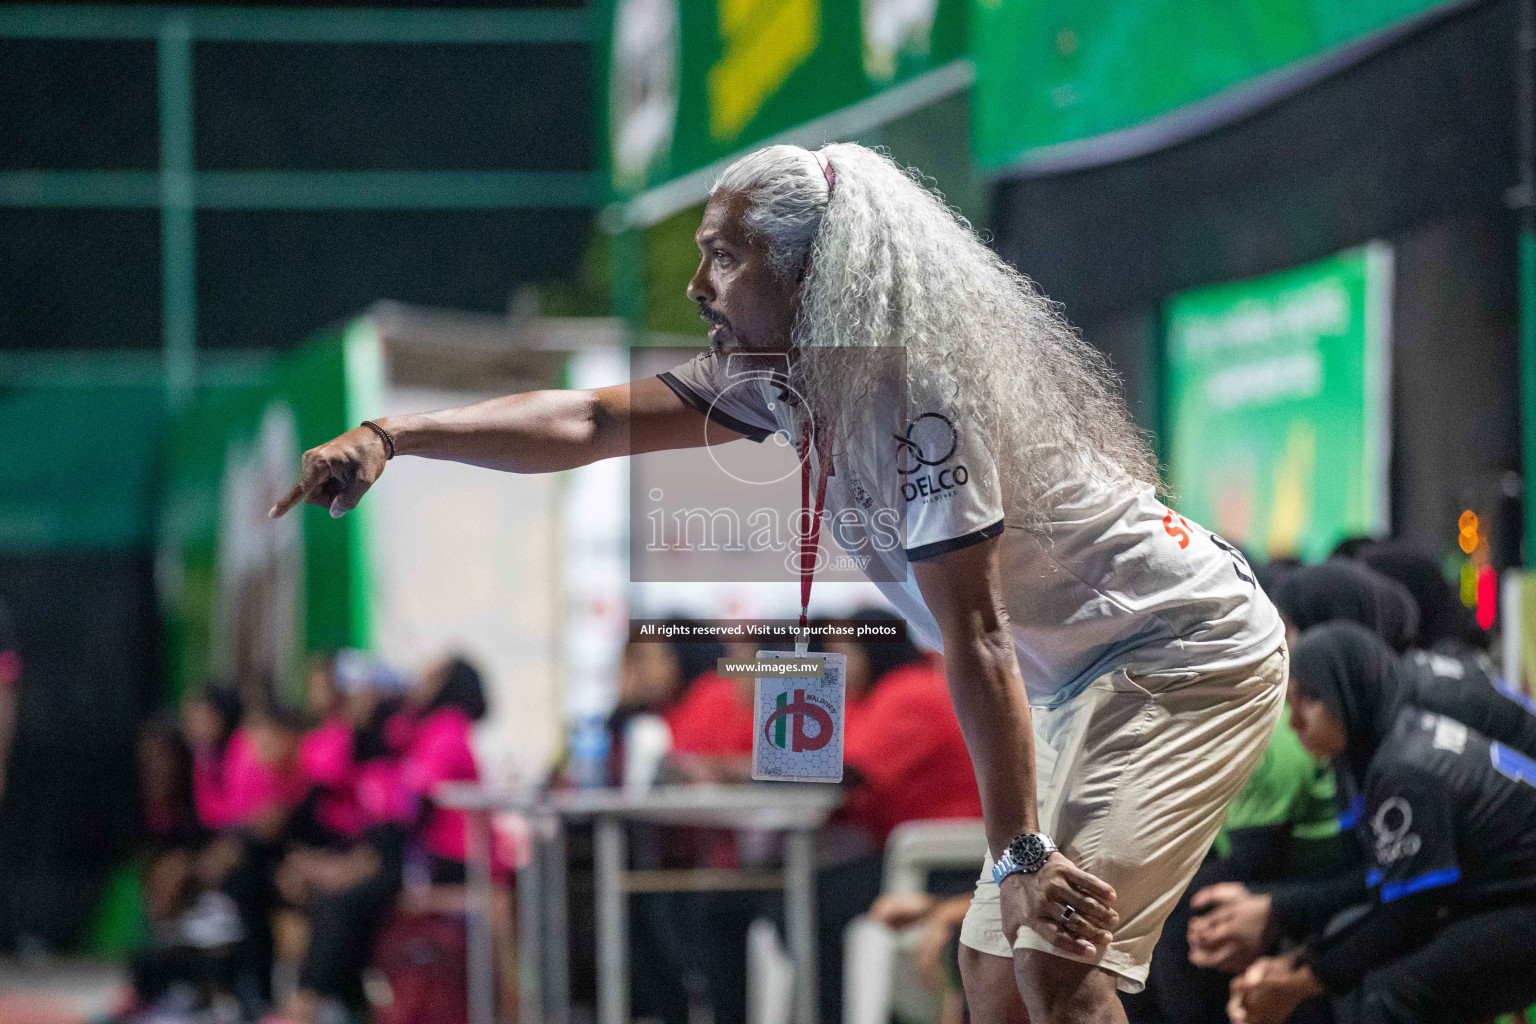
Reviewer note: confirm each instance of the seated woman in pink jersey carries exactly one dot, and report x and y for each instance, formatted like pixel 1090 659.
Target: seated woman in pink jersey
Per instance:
pixel 360 821
pixel 244 773
pixel 246 791
pixel 353 696
pixel 437 728
pixel 325 758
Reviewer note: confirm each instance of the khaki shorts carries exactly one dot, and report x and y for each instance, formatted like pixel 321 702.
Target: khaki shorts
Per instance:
pixel 1133 780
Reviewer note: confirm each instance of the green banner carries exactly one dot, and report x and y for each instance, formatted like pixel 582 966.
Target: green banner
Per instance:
pixel 1057 74
pixel 691 82
pixel 246 598
pixel 1276 404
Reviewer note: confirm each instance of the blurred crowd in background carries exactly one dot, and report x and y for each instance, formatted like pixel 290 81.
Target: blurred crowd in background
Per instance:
pixel 277 846
pixel 292 864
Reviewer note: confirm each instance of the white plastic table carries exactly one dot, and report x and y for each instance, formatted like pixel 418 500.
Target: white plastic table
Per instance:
pixel 795 810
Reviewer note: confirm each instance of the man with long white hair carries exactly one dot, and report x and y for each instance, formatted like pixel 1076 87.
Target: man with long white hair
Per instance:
pixel 1114 668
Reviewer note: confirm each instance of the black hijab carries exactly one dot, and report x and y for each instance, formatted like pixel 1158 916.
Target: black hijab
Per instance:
pixel 372 740
pixel 1355 675
pixel 694 657
pixel 225 701
pixel 1442 616
pixel 461 689
pixel 1341 589
pixel 1270 573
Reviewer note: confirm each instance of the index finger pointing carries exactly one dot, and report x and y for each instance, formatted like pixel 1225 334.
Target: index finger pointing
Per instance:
pixel 287 501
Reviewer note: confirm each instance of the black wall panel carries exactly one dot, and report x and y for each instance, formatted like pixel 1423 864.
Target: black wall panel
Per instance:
pixel 269 280
pixel 85 630
pixel 391 107
pixel 1422 131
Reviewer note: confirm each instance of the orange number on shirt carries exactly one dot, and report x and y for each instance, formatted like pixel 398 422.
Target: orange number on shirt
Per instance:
pixel 1179 530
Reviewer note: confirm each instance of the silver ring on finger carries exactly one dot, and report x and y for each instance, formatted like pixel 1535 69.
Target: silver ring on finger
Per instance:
pixel 1067 913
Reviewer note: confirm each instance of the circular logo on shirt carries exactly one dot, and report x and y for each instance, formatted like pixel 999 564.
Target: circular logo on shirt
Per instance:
pixel 923 454
pixel 930 440
pixel 1391 824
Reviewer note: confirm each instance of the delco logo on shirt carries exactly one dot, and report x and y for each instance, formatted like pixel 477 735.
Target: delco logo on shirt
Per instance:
pixel 1391 824
pixel 922 454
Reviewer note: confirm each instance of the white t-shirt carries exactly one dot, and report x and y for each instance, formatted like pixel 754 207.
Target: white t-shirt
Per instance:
pixel 1114 579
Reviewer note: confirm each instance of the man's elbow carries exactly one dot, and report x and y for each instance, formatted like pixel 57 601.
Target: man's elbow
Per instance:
pixel 596 427
pixel 987 646
pixel 985 630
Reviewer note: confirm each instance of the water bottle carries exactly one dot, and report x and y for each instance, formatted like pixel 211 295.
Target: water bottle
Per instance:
pixel 589 752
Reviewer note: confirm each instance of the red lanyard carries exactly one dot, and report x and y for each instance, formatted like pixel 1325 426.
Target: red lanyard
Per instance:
pixel 811 539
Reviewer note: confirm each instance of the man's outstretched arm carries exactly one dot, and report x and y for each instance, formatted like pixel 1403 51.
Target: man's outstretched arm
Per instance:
pixel 963 589
pixel 536 432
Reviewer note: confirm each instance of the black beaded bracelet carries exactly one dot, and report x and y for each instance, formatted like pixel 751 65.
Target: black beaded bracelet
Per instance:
pixel 389 442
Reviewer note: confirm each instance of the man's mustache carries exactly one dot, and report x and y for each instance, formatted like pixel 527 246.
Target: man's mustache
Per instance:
pixel 713 317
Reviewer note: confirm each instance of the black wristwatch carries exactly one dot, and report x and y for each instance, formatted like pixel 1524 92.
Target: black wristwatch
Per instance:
pixel 1025 854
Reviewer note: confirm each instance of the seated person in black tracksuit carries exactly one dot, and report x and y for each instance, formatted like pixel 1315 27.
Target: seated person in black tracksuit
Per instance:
pixel 1447 932
pixel 1233 918
pixel 1464 686
pixel 1232 925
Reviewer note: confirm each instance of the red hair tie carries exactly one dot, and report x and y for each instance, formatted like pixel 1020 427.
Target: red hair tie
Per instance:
pixel 826 171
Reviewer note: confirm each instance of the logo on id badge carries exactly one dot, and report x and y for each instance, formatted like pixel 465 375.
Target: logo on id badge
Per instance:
pixel 797 733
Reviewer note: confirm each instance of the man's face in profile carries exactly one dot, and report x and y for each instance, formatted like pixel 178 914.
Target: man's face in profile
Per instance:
pixel 750 307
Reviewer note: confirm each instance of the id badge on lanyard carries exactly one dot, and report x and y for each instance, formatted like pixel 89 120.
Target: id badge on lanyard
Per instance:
pixel 797 731
pixel 797 722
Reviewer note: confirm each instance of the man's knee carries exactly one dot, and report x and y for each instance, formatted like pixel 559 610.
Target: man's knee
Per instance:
pixel 983 968
pixel 1057 990
pixel 991 994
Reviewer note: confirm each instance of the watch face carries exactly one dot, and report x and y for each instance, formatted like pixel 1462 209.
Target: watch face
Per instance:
pixel 1028 851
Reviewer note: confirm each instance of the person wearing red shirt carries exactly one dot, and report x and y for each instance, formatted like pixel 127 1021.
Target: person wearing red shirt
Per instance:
pixel 902 743
pixel 709 718
pixel 712 720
